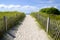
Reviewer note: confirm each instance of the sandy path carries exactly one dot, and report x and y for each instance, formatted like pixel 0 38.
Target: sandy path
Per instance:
pixel 29 30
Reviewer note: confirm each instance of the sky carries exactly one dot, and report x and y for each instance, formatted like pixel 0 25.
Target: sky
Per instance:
pixel 27 6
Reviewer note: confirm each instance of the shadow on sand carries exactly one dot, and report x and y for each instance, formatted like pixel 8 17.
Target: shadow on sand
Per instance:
pixel 10 34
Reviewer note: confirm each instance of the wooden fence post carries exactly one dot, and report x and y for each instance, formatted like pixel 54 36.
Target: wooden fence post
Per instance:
pixel 38 16
pixel 5 22
pixel 48 22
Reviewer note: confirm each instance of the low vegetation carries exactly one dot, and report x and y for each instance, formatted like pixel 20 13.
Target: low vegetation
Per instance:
pixel 54 15
pixel 12 18
pixel 51 10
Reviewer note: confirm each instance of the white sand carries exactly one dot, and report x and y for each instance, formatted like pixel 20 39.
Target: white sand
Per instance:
pixel 29 30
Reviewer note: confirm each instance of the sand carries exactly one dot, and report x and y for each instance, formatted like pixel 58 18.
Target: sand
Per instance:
pixel 29 30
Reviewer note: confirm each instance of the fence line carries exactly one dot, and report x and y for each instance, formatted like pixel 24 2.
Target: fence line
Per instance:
pixel 51 26
pixel 7 22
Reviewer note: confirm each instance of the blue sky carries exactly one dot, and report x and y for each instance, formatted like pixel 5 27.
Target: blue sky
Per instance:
pixel 27 6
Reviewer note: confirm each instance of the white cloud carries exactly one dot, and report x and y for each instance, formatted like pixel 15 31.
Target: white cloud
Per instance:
pixel 14 6
pixel 49 6
pixel 25 8
pixel 3 6
pixel 28 8
pixel 9 6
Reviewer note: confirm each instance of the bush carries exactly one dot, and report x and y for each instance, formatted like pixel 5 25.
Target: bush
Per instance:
pixel 51 10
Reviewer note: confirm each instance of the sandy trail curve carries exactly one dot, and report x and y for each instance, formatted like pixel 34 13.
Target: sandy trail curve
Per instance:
pixel 29 30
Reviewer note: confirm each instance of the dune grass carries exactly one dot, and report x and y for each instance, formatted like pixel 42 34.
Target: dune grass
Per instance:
pixel 13 19
pixel 55 18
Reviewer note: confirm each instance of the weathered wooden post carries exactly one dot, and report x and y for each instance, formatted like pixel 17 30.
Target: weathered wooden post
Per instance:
pixel 48 22
pixel 38 16
pixel 5 22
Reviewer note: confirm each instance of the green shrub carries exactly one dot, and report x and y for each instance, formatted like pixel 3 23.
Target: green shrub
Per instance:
pixel 51 10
